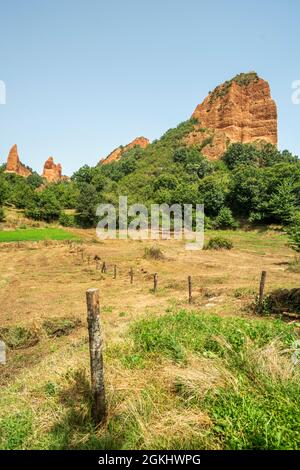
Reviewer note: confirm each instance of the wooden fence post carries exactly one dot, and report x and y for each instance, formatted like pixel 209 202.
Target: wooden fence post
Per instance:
pixel 190 289
pixel 96 358
pixel 155 283
pixel 115 272
pixel 131 275
pixel 261 291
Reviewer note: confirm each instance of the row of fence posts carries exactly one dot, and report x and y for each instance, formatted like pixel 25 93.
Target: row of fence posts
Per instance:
pixel 99 405
pixel 131 273
pixel 155 279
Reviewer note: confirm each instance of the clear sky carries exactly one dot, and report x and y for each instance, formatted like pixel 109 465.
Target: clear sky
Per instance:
pixel 84 76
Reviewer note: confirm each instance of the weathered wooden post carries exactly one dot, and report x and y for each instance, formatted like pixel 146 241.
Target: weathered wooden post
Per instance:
pixel 155 283
pixel 115 272
pixel 96 357
pixel 131 275
pixel 103 269
pixel 190 289
pixel 261 291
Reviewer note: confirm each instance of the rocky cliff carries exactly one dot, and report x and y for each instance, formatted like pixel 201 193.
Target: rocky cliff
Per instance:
pixel 52 172
pixel 118 152
pixel 239 110
pixel 13 164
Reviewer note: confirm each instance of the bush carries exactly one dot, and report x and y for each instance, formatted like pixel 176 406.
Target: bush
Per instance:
pixel 43 206
pixel 283 300
pixel 294 237
pixel 225 219
pixel 66 220
pixel 219 243
pixel 154 252
pixel 86 206
pixel 208 223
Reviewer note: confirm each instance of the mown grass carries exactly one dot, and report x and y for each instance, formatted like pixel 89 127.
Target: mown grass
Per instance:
pixel 35 234
pixel 179 380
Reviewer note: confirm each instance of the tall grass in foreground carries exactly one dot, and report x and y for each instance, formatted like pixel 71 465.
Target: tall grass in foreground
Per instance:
pixel 182 380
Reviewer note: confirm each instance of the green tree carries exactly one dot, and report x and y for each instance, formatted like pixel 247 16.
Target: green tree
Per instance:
pixel 86 206
pixel 34 180
pixel 283 202
pixel 241 154
pixel 43 206
pixel 213 192
pixel 250 191
pixel 294 236
pixel 225 219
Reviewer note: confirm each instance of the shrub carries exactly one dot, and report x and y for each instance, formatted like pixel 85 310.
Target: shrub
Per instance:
pixel 219 243
pixel 283 300
pixel 225 219
pixel 154 252
pixel 208 223
pixel 294 237
pixel 66 220
pixel 43 206
pixel 86 206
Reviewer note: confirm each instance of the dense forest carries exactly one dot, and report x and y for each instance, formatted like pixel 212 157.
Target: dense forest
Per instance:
pixel 252 183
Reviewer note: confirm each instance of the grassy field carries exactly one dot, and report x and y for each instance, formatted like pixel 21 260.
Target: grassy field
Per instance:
pixel 35 234
pixel 212 375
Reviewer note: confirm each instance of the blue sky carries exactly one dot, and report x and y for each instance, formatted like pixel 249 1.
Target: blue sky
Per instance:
pixel 84 76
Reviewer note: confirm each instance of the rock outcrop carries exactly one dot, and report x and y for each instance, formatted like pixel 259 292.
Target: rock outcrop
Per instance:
pixel 14 165
pixel 116 154
pixel 52 172
pixel 239 110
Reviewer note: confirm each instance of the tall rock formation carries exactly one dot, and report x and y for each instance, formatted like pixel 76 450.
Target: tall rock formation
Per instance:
pixel 116 154
pixel 239 110
pixel 14 165
pixel 52 172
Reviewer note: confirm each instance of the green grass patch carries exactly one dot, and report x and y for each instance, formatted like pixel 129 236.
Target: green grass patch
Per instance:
pixel 174 335
pixel 15 429
pixel 36 234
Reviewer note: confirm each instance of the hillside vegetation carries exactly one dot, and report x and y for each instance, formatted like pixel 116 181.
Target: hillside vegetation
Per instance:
pixel 251 182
